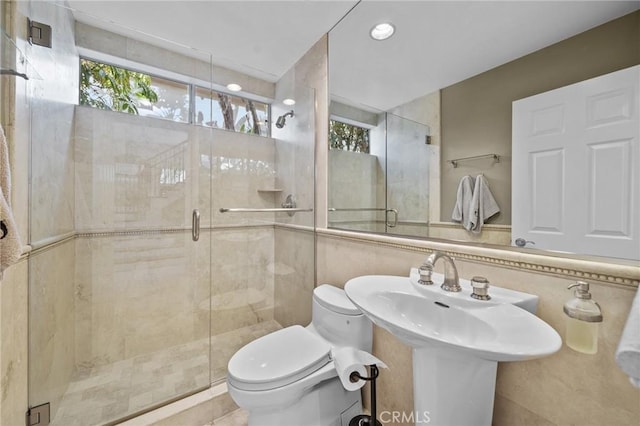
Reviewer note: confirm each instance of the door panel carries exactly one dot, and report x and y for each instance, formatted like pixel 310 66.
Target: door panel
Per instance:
pixel 547 202
pixel 575 167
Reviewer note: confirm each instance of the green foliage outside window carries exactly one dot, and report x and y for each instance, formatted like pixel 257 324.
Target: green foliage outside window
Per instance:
pixel 348 137
pixel 112 88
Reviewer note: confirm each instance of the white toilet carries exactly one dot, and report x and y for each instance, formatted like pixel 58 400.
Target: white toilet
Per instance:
pixel 287 378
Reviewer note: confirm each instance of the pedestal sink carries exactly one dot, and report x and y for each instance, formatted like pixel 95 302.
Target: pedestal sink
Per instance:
pixel 457 341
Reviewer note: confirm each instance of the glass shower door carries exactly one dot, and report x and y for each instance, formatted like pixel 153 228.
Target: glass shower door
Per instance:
pixel 407 177
pixel 119 311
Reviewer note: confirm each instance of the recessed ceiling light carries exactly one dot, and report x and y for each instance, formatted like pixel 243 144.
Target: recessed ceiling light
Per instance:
pixel 289 101
pixel 234 87
pixel 382 31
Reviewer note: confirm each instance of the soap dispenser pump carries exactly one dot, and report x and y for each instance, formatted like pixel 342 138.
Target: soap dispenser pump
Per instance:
pixel 583 314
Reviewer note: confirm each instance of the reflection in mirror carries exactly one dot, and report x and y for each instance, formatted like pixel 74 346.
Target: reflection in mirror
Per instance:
pixel 381 185
pixel 456 68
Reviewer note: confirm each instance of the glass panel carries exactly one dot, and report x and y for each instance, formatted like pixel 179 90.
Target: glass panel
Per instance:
pixel 114 88
pixel 119 302
pixel 139 327
pixel 263 263
pixel 408 164
pixel 357 179
pixel 172 103
pixel 294 277
pixel 223 111
pixel 387 190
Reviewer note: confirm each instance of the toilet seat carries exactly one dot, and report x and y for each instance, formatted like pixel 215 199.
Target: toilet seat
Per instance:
pixel 278 359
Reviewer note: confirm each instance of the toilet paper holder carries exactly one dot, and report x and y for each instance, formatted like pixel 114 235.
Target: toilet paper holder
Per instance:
pixel 363 419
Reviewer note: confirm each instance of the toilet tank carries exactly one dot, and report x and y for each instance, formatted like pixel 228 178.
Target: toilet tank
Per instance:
pixel 338 320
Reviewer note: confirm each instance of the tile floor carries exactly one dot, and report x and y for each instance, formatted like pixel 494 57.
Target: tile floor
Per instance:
pixel 235 418
pixel 105 394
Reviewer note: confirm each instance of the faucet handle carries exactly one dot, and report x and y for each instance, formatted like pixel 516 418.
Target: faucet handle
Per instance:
pixel 425 271
pixel 480 288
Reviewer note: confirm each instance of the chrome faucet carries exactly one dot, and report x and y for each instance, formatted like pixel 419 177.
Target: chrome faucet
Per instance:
pixel 451 280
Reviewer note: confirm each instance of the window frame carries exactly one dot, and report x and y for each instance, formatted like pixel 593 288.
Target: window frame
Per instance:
pixel 191 83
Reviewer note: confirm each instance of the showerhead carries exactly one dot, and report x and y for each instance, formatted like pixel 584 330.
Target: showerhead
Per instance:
pixel 282 120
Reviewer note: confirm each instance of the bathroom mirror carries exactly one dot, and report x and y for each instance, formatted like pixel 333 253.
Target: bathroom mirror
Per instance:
pixel 453 68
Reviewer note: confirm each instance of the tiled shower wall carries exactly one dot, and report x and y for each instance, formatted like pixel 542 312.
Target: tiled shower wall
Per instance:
pixel 40 120
pixel 142 283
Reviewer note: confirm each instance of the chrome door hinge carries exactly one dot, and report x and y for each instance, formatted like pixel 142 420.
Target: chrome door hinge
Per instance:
pixel 39 33
pixel 38 416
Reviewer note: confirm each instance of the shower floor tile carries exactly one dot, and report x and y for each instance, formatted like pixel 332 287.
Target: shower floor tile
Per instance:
pixel 111 392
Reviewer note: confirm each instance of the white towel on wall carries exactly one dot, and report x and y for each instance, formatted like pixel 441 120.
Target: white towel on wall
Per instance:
pixel 462 211
pixel 10 244
pixel 483 204
pixel 628 352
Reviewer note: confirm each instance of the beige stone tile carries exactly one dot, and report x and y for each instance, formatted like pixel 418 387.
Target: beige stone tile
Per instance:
pixel 101 40
pixel 224 407
pixel 224 76
pixel 394 387
pixel 52 322
pixel 119 160
pixel 14 344
pixel 565 388
pixel 161 57
pixel 236 418
pixel 508 413
pixel 294 287
pixel 51 102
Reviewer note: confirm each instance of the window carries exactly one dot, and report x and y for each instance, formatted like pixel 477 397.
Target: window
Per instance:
pixel 348 137
pixel 223 111
pixel 114 88
pixel 172 103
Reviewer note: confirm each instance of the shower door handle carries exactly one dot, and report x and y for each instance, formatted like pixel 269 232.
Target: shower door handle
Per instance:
pixel 393 223
pixel 195 225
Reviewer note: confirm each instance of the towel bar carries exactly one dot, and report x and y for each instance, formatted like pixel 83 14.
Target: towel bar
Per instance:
pixel 454 162
pixel 247 210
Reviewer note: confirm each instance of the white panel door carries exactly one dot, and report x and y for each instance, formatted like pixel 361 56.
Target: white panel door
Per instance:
pixel 576 161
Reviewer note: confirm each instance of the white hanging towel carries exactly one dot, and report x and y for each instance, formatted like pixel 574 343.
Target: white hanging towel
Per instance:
pixel 462 211
pixel 482 203
pixel 10 245
pixel 628 352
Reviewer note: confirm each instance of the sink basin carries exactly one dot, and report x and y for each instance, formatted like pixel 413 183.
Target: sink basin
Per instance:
pixel 457 341
pixel 493 330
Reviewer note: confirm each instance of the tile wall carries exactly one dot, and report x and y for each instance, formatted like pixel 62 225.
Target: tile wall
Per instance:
pixel 40 120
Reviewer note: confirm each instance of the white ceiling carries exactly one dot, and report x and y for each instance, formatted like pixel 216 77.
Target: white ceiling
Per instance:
pixel 260 38
pixel 437 43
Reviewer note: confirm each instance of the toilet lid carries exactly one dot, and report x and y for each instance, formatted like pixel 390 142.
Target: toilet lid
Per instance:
pixel 277 359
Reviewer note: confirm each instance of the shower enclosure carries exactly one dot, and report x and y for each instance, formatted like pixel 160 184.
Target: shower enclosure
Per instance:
pixel 153 257
pixel 385 190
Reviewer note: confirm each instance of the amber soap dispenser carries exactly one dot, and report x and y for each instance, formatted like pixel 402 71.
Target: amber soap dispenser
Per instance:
pixel 584 315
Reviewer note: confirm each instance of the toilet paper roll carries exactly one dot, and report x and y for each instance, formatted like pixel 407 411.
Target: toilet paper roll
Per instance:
pixel 349 360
